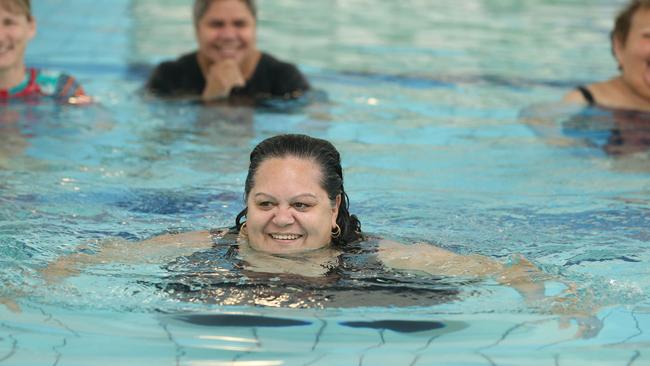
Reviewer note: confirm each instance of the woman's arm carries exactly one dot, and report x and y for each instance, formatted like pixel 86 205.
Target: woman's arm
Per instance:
pixel 523 276
pixel 155 250
pixel 159 249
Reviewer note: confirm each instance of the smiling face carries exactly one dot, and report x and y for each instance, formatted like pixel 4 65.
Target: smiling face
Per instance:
pixel 16 30
pixel 288 210
pixel 634 55
pixel 226 31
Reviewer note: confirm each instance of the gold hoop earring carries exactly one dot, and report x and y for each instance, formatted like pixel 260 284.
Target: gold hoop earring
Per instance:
pixel 336 232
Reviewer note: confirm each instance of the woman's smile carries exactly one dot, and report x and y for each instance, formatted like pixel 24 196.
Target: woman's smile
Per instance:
pixel 229 49
pixel 227 32
pixel 285 237
pixel 288 210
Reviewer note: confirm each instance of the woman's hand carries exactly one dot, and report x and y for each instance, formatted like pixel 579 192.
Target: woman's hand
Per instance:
pixel 221 78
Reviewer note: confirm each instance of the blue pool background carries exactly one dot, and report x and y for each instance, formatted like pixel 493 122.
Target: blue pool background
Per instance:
pixel 423 102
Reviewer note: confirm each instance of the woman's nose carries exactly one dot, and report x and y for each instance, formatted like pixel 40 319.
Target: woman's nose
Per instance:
pixel 283 216
pixel 228 31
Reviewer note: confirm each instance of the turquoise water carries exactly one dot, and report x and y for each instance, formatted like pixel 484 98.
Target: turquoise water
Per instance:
pixel 423 103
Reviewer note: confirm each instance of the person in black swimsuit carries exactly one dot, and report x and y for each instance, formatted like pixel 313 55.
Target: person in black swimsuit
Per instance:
pixel 630 90
pixel 623 101
pixel 586 95
pixel 228 64
pixel 296 224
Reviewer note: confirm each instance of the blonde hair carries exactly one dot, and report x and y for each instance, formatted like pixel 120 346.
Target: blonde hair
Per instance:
pixel 18 7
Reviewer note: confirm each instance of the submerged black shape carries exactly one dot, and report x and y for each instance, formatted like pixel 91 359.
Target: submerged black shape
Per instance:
pixel 238 320
pixel 400 326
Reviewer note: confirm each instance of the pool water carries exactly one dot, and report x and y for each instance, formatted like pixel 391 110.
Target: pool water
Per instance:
pixel 430 106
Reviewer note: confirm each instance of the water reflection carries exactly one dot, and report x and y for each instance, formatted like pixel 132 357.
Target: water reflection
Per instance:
pixel 12 141
pixel 617 133
pixel 40 133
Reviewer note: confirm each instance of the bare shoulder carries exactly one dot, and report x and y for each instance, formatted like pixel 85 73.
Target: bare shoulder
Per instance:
pixel 575 96
pixel 417 256
pixel 162 247
pixel 197 238
pixel 604 92
pixel 432 259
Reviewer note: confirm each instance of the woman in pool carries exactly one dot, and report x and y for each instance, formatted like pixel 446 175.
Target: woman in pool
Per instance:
pixel 296 224
pixel 620 127
pixel 227 63
pixel 17 28
pixel 631 47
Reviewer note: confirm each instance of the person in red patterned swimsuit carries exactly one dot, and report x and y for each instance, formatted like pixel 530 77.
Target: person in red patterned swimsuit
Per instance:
pixel 17 28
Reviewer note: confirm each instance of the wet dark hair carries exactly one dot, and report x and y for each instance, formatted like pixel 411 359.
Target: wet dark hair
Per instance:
pixel 202 6
pixel 325 155
pixel 623 21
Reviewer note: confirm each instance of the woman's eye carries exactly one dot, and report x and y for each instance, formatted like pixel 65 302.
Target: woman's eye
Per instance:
pixel 301 206
pixel 240 24
pixel 216 24
pixel 265 204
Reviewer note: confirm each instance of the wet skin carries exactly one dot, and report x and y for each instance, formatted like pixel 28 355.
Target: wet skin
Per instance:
pixel 288 210
pixel 16 30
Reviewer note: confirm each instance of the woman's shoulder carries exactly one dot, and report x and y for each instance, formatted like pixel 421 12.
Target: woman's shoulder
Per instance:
pixel 215 236
pixel 278 66
pixel 198 238
pixel 184 60
pixel 179 76
pixel 176 68
pixel 273 61
pixel 224 236
pixel 283 79
pixel 604 93
pixel 579 95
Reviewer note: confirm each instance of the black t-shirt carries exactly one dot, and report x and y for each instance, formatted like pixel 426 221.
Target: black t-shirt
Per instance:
pixel 272 79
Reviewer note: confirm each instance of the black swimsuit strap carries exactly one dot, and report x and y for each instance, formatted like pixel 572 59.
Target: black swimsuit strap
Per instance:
pixel 586 93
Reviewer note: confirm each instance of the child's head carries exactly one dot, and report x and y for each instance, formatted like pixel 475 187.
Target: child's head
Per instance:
pixel 22 7
pixel 18 29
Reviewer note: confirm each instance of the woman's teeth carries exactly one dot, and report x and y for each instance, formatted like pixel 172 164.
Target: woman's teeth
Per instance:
pixel 285 236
